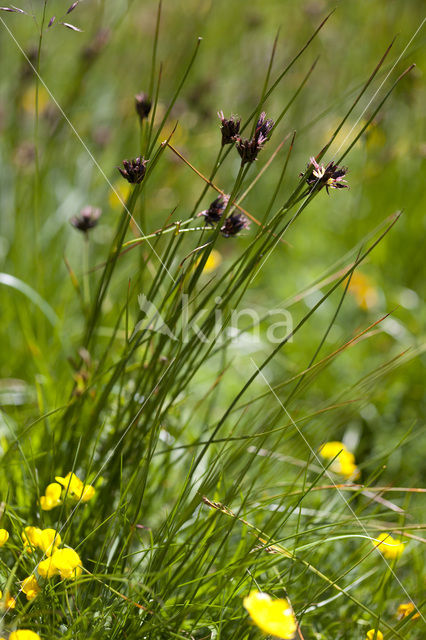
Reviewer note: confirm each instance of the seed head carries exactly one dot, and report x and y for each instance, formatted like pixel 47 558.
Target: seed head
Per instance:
pixel 230 128
pixel 264 126
pixel 134 170
pixel 235 223
pixel 330 177
pixel 86 219
pixel 142 105
pixel 248 148
pixel 213 214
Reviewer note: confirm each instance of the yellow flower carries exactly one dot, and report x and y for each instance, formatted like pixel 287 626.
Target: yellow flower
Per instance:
pixel 46 568
pixel 31 538
pixel 8 602
pixel 52 497
pixel 119 194
pixel 389 547
pixel 49 541
pixel 362 289
pixel 405 610
pixel 374 634
pixel 76 488
pixel 30 587
pixel 213 261
pixel 24 634
pixel 4 537
pixel 67 562
pixel 275 617
pixel 344 464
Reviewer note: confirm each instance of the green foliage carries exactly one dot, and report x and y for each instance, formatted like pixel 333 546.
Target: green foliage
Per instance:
pixel 192 378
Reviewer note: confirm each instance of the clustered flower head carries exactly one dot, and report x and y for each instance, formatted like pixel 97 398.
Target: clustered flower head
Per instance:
pixel 213 214
pixel 230 128
pixel 70 486
pixel 134 170
pixel 86 219
pixel 249 148
pixel 344 464
pixel 234 223
pixel 7 601
pixel 63 562
pixel 389 547
pixel 142 105
pixel 330 176
pixel 47 540
pixel 274 617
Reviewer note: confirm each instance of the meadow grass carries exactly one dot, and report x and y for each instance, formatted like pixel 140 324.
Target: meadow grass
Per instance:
pixel 224 346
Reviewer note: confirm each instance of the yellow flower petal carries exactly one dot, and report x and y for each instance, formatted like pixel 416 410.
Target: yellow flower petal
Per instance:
pixel 30 587
pixel 4 537
pixel 49 541
pixel 31 537
pixel 405 609
pixel 67 562
pixel 275 617
pixel 374 634
pixel 24 634
pixel 390 547
pixel 46 568
pixel 52 497
pixel 119 193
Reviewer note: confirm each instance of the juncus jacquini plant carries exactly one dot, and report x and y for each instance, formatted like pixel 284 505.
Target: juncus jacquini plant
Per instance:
pixel 168 477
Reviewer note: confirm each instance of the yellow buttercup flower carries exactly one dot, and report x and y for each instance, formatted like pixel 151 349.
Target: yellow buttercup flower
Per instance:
pixel 30 587
pixel 405 609
pixel 24 634
pixel 365 294
pixel 75 487
pixel 31 538
pixel 63 562
pixel 344 464
pixel 374 634
pixel 8 602
pixel 67 563
pixel 52 497
pixel 4 537
pixel 275 617
pixel 390 547
pixel 119 194
pixel 49 541
pixel 46 568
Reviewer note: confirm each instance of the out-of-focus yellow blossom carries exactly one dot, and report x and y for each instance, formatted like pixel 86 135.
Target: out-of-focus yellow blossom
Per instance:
pixel 374 634
pixel 4 537
pixel 31 538
pixel 52 497
pixel 29 98
pixel 76 488
pixel 63 562
pixel 213 261
pixel 390 547
pixel 365 294
pixel 405 610
pixel 30 587
pixel 23 634
pixel 344 464
pixel 275 617
pixel 120 192
pixel 8 602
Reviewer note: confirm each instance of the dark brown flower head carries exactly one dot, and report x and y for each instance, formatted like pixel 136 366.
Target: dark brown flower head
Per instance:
pixel 142 105
pixel 264 126
pixel 235 223
pixel 330 177
pixel 213 214
pixel 230 128
pixel 86 219
pixel 248 148
pixel 134 170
